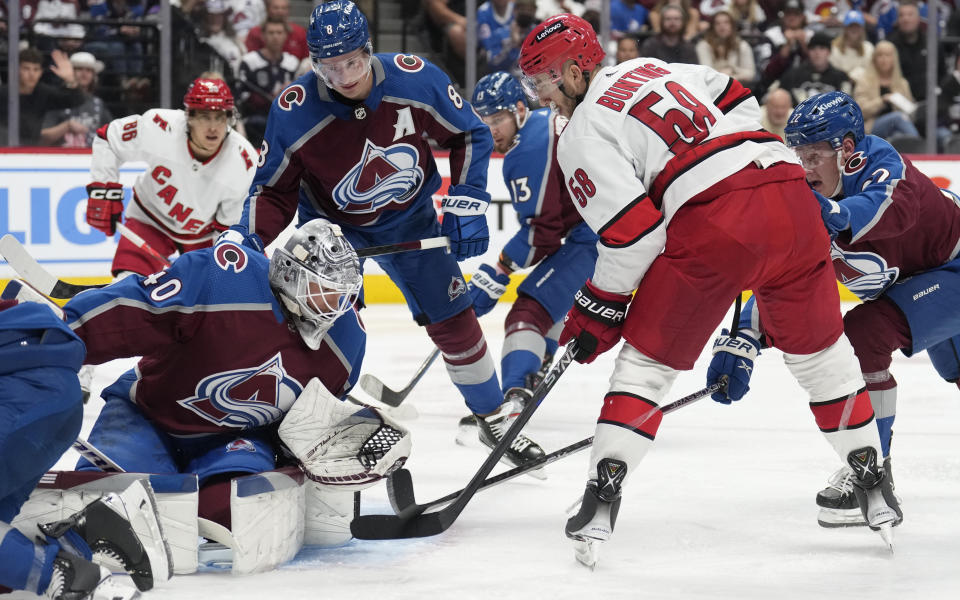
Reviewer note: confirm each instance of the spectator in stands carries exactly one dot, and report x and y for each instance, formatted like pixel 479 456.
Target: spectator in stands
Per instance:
pixel 775 111
pixel 246 15
pixel 264 73
pixel 851 50
pixel 626 16
pixel 815 75
pixel 911 45
pixel 447 26
pixel 884 95
pixel 494 39
pixel 691 17
pixel 627 47
pixel 37 98
pixel 669 45
pixel 47 32
pixel 790 40
pixel 722 49
pixel 948 106
pixel 121 48
pixel 296 37
pixel 883 16
pixel 75 127
pixel 217 32
pixel 747 15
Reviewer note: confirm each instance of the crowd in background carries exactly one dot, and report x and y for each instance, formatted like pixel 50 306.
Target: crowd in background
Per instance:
pixel 86 61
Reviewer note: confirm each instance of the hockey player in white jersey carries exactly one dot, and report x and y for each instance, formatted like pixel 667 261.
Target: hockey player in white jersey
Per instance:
pixel 197 175
pixel 693 203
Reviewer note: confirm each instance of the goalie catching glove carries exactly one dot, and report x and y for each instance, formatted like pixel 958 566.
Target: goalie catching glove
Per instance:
pixel 104 206
pixel 340 444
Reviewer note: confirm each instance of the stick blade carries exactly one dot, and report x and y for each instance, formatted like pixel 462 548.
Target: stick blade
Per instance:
pixel 380 392
pixel 400 490
pixel 27 266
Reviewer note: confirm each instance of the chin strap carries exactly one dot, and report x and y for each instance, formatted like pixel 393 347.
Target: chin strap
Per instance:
pixel 577 99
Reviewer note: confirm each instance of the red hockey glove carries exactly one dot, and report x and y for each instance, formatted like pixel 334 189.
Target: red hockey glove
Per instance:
pixel 594 321
pixel 104 206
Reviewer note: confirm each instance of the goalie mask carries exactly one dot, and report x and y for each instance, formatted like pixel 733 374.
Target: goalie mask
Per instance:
pixel 316 276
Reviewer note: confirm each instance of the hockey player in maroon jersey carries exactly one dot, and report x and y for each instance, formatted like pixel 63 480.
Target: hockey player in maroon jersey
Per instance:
pixel 895 240
pixel 350 142
pixel 714 206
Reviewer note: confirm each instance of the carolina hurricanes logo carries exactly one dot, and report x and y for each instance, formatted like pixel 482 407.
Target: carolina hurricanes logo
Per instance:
pixel 295 94
pixel 230 257
pixel 456 288
pixel 855 163
pixel 408 62
pixel 864 273
pixel 245 398
pixel 383 176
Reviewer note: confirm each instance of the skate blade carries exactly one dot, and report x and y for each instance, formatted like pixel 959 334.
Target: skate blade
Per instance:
pixel 587 552
pixel 837 517
pixel 886 534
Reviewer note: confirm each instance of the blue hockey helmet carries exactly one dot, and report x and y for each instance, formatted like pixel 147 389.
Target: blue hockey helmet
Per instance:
pixel 825 117
pixel 336 28
pixel 495 92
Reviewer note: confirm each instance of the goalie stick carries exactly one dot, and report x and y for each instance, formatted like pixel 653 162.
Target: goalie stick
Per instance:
pixel 400 483
pixel 414 522
pixel 380 392
pixel 31 271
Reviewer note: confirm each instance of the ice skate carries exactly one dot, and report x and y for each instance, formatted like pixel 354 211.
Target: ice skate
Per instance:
pixel 123 534
pixel 491 429
pixel 75 578
pixel 594 522
pixel 532 380
pixel 838 504
pixel 874 492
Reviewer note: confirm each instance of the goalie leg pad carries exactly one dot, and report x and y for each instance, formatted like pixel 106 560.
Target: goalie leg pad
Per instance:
pixel 341 446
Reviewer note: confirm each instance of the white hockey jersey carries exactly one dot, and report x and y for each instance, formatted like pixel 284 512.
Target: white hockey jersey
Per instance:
pixel 648 137
pixel 188 199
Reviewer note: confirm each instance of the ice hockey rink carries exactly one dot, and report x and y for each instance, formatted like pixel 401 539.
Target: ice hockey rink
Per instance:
pixel 722 507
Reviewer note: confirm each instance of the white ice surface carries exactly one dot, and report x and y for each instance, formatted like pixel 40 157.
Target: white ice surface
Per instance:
pixel 722 507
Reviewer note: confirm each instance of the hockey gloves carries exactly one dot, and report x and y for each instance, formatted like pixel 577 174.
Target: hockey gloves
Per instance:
pixel 239 235
pixel 594 321
pixel 465 223
pixel 835 216
pixel 486 287
pixel 104 206
pixel 733 356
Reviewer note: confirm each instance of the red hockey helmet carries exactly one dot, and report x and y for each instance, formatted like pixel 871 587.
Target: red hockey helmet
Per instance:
pixel 208 94
pixel 551 44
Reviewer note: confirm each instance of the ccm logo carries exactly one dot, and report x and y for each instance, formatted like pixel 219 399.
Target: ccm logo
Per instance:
pixel 107 194
pixel 602 311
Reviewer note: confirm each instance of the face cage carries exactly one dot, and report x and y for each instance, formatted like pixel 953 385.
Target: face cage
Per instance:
pixel 342 293
pixel 318 67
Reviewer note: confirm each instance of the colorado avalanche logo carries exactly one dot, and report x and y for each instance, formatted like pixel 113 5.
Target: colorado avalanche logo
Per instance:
pixel 408 62
pixel 241 445
pixel 456 288
pixel 864 273
pixel 855 163
pixel 383 176
pixel 230 257
pixel 245 398
pixel 292 96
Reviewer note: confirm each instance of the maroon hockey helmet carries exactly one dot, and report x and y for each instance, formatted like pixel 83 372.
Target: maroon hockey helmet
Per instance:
pixel 551 44
pixel 208 94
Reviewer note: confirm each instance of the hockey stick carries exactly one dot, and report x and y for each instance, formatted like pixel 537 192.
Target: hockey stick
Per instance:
pixel 413 522
pixel 400 483
pixel 379 391
pixel 27 267
pixel 141 243
pixel 424 244
pixel 95 456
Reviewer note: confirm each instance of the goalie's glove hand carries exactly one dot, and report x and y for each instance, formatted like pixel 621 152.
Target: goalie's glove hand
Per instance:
pixel 104 206
pixel 836 216
pixel 239 235
pixel 595 321
pixel 486 287
pixel 465 223
pixel 733 357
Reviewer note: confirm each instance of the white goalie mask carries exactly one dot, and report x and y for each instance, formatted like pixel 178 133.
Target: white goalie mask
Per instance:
pixel 316 276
